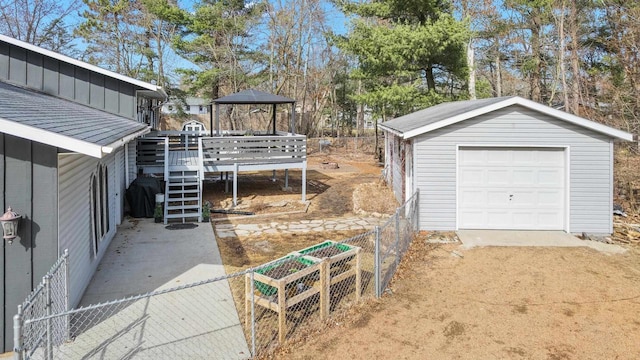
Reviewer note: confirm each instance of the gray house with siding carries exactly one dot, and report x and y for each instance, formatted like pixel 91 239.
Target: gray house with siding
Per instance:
pixel 503 163
pixel 66 157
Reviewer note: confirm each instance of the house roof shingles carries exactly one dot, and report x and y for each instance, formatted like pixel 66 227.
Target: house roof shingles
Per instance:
pixel 63 117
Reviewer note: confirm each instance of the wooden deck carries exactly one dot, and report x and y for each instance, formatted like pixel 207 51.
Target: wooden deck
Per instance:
pixel 184 159
pixel 230 154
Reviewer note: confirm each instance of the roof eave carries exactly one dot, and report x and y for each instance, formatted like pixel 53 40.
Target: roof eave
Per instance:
pixel 50 138
pixel 121 142
pixel 390 130
pixel 597 127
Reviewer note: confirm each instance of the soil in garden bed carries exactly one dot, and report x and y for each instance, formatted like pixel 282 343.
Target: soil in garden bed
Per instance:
pixel 327 251
pixel 283 269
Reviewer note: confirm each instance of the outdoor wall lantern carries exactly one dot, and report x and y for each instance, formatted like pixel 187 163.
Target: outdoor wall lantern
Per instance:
pixel 10 221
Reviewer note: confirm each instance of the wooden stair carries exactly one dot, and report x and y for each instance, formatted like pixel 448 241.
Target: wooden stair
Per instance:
pixel 183 201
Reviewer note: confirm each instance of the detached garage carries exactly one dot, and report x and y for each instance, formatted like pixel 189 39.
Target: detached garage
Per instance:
pixel 503 163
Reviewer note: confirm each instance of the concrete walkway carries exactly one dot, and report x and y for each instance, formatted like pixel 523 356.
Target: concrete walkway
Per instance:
pixel 198 322
pixel 225 230
pixel 473 238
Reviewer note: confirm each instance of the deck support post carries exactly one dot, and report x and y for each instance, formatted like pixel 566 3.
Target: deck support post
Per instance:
pixel 226 181
pixel 235 184
pixel 304 181
pixel 286 178
pixel 273 177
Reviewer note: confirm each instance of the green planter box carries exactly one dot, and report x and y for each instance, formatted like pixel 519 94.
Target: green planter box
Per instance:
pixel 329 249
pixel 288 265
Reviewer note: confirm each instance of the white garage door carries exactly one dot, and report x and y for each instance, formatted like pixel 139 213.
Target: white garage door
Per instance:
pixel 511 188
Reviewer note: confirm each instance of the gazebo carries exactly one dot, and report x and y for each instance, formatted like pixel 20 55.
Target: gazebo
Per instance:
pixel 254 97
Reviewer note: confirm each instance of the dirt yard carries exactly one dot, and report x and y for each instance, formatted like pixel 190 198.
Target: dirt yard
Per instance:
pixel 449 303
pixel 494 303
pixel 351 189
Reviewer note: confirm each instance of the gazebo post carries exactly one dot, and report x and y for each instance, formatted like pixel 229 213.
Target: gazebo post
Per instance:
pixel 273 118
pixel 211 118
pixel 292 126
pixel 217 119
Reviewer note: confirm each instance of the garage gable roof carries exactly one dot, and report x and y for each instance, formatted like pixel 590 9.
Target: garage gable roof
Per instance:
pixel 64 124
pixel 445 114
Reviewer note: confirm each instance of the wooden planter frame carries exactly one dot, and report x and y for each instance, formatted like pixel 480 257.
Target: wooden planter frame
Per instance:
pixel 279 302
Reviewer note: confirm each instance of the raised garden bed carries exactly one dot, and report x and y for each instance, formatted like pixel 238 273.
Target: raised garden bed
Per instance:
pixel 298 276
pixel 281 268
pixel 341 253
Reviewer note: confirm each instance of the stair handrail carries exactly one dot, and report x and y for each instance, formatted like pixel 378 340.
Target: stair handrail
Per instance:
pixel 166 158
pixel 200 176
pixel 166 178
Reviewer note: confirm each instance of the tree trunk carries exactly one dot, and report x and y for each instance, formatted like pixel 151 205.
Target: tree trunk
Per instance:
pixel 360 112
pixel 561 60
pixel 574 59
pixel 472 71
pixel 431 83
pixel 535 75
pixel 498 76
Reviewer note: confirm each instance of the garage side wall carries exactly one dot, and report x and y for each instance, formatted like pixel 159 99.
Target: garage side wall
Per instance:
pixel 590 164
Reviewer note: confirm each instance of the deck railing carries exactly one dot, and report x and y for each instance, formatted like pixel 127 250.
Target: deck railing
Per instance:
pixel 223 150
pixel 228 150
pixel 150 151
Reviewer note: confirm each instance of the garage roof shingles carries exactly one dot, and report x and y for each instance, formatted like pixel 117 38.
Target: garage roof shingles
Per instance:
pixel 63 117
pixel 438 113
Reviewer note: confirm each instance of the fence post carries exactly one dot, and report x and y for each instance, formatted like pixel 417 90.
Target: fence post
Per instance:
pixel 397 245
pixel 376 262
pixel 18 337
pixel 49 326
pixel 66 294
pixel 253 318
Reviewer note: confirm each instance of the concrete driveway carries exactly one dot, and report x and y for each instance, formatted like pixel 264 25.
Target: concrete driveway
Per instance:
pixel 481 238
pixel 197 321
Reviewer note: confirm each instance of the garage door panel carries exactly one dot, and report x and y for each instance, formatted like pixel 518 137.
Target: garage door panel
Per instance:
pixel 473 198
pixel 471 176
pixel 497 177
pixel 523 177
pixel 523 199
pixel 549 157
pixel 522 220
pixel 553 177
pixel 551 198
pixel 497 219
pixel 474 218
pixel 524 157
pixel 497 157
pixel 511 188
pixel 496 197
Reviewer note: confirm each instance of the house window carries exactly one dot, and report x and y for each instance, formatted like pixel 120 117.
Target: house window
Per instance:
pixel 201 108
pixel 100 224
pixel 170 107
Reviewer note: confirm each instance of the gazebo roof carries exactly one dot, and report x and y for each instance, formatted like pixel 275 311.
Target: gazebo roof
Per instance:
pixel 253 97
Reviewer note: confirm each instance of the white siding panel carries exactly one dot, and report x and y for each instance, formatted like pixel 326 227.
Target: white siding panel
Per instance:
pixel 590 167
pixel 131 158
pixel 74 219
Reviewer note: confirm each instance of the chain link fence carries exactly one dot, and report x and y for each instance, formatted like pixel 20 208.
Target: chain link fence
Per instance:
pixel 51 296
pixel 238 316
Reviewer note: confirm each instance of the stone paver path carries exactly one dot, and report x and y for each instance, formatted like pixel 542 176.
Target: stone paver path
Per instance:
pixel 226 230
